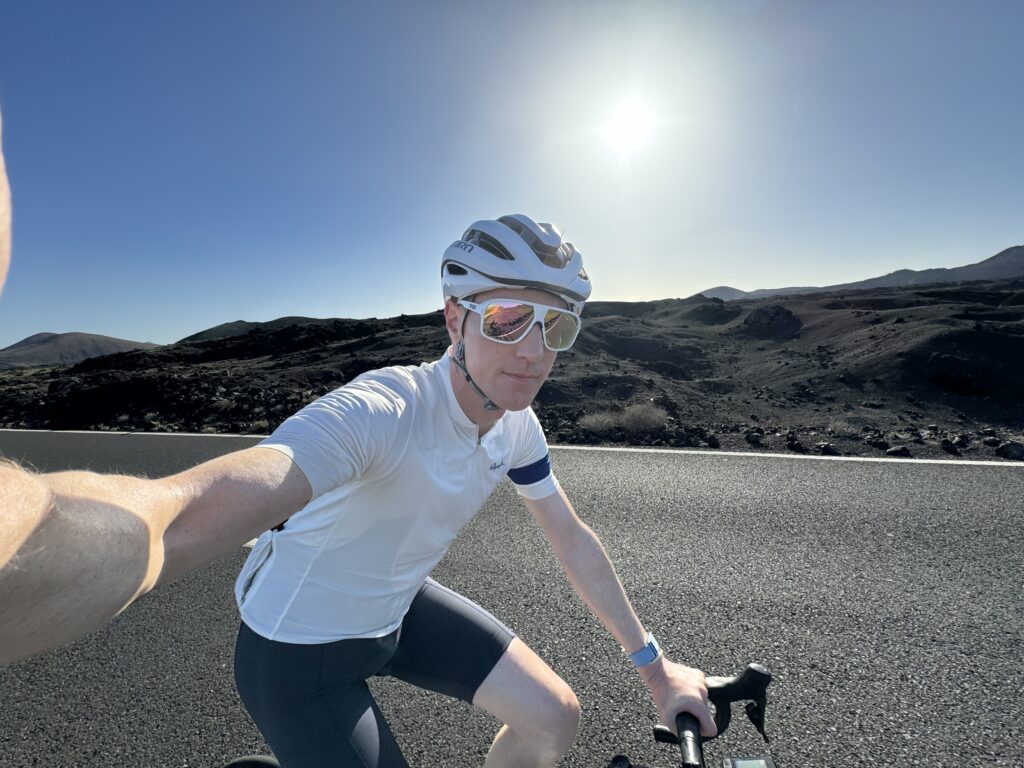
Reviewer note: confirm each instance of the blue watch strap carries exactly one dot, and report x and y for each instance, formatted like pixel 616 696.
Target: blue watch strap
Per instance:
pixel 647 654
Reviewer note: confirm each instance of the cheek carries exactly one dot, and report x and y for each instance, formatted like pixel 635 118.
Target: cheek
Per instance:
pixel 486 354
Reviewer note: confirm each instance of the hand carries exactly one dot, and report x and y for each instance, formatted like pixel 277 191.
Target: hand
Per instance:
pixel 677 688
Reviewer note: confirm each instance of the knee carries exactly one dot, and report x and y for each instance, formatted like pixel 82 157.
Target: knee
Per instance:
pixel 562 721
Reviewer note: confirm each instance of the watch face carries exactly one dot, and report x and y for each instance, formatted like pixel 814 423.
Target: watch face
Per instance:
pixel 647 654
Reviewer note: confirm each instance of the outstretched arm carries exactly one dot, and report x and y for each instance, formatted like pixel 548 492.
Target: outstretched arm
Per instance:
pixel 73 551
pixel 675 687
pixel 76 548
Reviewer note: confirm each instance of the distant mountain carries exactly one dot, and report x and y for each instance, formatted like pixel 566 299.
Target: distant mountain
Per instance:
pixel 242 327
pixel 1005 264
pixel 63 348
pixel 725 293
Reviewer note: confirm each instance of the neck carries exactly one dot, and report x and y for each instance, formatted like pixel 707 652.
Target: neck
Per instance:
pixel 471 402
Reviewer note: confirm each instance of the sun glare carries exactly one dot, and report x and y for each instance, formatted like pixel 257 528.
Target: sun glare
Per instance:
pixel 628 127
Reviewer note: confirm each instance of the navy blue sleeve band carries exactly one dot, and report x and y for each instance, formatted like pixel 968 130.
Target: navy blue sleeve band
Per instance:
pixel 531 473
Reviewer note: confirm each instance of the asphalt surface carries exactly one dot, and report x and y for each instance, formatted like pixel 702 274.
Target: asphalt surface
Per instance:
pixel 885 597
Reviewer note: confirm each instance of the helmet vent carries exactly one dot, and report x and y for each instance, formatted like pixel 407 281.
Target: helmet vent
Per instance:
pixel 489 244
pixel 555 256
pixel 558 259
pixel 537 245
pixel 455 269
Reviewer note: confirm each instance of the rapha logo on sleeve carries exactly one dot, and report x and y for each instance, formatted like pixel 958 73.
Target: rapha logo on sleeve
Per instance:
pixel 497 465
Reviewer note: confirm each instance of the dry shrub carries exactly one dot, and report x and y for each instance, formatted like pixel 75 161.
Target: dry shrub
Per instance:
pixel 638 419
pixel 843 428
pixel 641 418
pixel 599 423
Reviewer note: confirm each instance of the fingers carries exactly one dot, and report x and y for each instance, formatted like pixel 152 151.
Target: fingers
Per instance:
pixel 707 717
pixel 678 688
pixel 702 712
pixel 708 729
pixel 699 708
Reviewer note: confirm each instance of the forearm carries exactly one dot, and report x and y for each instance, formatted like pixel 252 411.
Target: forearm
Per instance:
pixel 227 501
pixel 75 549
pixel 674 687
pixel 593 577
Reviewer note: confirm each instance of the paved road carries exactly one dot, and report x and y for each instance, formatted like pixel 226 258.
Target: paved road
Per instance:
pixel 885 597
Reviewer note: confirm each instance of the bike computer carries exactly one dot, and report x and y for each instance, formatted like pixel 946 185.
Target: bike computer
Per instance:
pixel 764 761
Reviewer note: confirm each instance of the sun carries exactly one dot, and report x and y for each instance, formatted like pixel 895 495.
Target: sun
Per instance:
pixel 628 127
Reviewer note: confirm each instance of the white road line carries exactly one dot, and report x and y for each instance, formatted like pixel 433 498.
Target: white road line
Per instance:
pixel 752 454
pixel 115 432
pixel 627 449
pixel 739 454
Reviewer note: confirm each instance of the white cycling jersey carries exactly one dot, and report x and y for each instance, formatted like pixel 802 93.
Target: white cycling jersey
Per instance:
pixel 397 469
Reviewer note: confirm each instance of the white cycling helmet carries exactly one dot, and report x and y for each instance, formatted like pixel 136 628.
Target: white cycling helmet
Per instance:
pixel 514 252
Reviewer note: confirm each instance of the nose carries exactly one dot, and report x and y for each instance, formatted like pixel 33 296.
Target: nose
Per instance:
pixel 532 347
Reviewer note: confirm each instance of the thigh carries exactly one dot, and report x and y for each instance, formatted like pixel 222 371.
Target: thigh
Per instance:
pixel 312 704
pixel 524 692
pixel 448 643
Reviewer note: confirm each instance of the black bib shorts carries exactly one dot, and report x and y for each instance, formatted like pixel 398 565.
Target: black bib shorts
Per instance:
pixel 312 703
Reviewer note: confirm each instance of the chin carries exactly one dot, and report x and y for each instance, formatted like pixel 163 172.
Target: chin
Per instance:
pixel 515 406
pixel 516 401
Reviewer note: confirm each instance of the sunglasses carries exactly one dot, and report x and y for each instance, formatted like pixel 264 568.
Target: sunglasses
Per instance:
pixel 507 321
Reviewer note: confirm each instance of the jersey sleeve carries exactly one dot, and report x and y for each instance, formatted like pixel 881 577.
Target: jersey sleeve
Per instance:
pixel 530 469
pixel 345 435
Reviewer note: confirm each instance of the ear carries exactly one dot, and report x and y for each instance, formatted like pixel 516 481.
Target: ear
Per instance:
pixel 453 320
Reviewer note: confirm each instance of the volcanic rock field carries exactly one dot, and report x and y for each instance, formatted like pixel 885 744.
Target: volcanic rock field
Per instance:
pixel 929 371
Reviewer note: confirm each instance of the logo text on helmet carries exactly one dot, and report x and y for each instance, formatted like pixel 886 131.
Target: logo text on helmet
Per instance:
pixel 462 245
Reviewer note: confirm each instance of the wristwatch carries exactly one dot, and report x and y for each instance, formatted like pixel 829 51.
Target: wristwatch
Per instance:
pixel 647 654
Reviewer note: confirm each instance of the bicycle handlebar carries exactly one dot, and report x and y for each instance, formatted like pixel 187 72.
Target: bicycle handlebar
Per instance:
pixel 690 747
pixel 750 685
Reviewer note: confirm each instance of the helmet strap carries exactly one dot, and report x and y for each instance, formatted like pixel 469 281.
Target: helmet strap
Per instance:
pixel 459 358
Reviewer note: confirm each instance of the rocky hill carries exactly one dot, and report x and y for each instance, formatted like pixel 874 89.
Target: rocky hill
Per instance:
pixel 54 348
pixel 242 327
pixel 922 371
pixel 1004 265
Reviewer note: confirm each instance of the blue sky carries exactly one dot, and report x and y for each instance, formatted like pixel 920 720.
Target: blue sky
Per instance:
pixel 176 165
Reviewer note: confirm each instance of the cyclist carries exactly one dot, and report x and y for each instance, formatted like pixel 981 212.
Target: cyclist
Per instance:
pixel 398 460
pixel 77 547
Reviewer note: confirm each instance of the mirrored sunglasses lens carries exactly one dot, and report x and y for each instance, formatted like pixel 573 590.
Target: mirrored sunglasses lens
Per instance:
pixel 507 321
pixel 560 329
